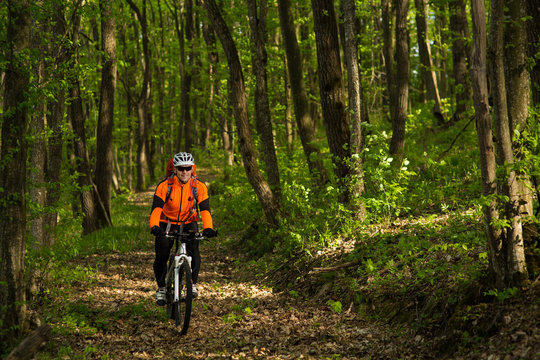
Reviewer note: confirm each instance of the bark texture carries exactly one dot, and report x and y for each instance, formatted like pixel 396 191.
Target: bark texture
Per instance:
pixel 512 252
pixel 399 119
pixel 304 119
pixel 354 90
pixel 460 52
pixel 257 21
pixel 331 89
pixel 479 82
pixel 143 100
pixel 238 100
pixel 104 154
pixel 13 173
pixel 428 74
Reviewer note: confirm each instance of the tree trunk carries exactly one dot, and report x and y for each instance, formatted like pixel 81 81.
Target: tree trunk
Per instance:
pixel 55 122
pixel 460 51
pixel 143 100
pixel 388 53
pixel 304 120
pixel 186 80
pixel 533 35
pixel 38 151
pixel 397 143
pixel 355 104
pixel 428 75
pixel 512 237
pixel 104 139
pixel 239 103
pixel 210 39
pixel 262 107
pixel 516 65
pixel 82 162
pixel 13 172
pixel 485 140
pixel 331 88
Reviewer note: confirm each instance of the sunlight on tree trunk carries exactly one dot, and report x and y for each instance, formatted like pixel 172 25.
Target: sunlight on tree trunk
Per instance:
pixel 513 251
pixel 485 141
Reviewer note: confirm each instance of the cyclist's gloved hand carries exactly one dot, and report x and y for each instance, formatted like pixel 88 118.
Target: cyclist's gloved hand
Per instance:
pixel 209 233
pixel 157 231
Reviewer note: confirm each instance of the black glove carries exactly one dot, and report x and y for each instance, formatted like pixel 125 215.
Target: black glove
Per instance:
pixel 157 231
pixel 209 233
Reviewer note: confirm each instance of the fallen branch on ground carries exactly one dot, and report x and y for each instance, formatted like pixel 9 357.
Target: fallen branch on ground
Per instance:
pixel 31 344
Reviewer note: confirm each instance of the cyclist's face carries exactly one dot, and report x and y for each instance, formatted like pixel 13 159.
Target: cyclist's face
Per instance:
pixel 182 174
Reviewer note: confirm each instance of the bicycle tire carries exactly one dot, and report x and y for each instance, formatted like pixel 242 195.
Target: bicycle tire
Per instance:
pixel 180 311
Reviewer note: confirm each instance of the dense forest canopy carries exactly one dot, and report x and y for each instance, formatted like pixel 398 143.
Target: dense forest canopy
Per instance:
pixel 328 116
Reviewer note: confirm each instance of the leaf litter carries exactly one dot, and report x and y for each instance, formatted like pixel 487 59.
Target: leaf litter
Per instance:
pixel 238 318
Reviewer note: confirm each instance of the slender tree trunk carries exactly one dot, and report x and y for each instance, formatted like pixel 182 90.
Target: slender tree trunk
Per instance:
pixel 485 140
pixel 355 104
pixel 428 75
pixel 13 173
pixel 533 35
pixel 38 151
pixel 82 162
pixel 304 120
pixel 210 39
pixel 518 90
pixel 143 100
pixel 397 143
pixel 512 237
pixel 104 158
pixel 388 53
pixel 441 54
pixel 262 107
pixel 287 96
pixel 55 122
pixel 460 51
pixel 186 80
pixel 239 103
pixel 516 63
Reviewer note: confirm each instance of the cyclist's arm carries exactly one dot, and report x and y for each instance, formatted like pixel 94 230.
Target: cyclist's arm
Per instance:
pixel 204 206
pixel 206 217
pixel 157 206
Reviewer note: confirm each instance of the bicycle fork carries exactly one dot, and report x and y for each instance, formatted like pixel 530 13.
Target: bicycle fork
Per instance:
pixel 178 261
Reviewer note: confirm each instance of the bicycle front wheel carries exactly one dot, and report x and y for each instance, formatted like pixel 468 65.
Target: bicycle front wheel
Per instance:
pixel 181 309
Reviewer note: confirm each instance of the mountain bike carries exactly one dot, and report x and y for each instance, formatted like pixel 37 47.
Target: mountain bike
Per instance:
pixel 179 293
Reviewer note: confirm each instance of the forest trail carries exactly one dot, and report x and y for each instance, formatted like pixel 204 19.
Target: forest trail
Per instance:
pixel 231 319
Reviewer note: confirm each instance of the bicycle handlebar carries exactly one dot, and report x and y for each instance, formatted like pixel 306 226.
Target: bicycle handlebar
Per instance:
pixel 184 236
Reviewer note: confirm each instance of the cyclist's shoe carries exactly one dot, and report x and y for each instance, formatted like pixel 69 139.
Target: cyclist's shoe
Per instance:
pixel 161 298
pixel 194 291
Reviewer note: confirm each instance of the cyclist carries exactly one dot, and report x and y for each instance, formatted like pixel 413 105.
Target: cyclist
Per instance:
pixel 174 203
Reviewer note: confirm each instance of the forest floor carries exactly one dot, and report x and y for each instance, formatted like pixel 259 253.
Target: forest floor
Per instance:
pixel 238 317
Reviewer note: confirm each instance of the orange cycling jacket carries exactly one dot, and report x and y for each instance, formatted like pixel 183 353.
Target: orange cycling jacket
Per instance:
pixel 179 204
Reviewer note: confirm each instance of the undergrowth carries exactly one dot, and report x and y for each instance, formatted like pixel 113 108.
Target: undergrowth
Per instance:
pixel 418 257
pixel 57 268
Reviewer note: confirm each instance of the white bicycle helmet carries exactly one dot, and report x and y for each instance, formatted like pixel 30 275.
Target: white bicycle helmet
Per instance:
pixel 183 159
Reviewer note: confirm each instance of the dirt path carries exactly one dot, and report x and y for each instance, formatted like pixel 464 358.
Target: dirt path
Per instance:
pixel 231 319
pixel 115 317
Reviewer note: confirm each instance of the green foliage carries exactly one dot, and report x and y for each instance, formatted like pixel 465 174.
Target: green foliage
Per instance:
pixel 335 306
pixel 503 294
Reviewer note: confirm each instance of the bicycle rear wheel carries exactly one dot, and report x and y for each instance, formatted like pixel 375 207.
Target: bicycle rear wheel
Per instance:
pixel 180 310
